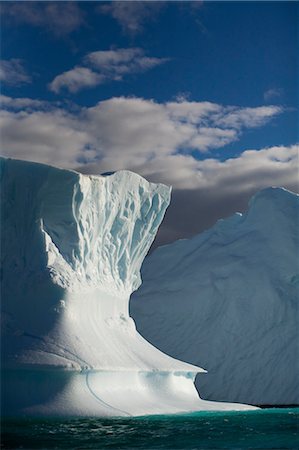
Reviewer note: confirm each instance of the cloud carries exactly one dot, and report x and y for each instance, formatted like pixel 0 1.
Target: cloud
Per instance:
pixel 252 169
pixel 218 189
pixel 59 18
pixel 21 103
pixel 132 15
pixel 155 140
pixel 51 137
pixel 12 72
pixel 75 80
pixel 272 94
pixel 116 63
pixel 124 132
pixel 249 117
pixel 147 128
pixel 107 65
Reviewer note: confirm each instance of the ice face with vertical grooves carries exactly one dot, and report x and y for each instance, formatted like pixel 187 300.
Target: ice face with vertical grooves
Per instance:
pixel 72 248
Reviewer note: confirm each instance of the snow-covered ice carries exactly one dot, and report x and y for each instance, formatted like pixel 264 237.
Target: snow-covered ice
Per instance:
pixel 72 248
pixel 228 299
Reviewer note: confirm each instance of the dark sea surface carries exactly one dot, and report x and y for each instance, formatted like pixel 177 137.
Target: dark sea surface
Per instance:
pixel 261 429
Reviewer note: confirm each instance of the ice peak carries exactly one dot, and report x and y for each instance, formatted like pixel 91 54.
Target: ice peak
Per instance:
pixel 272 194
pixel 271 205
pixel 96 230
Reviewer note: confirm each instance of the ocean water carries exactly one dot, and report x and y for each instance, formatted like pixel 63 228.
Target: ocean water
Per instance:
pixel 262 429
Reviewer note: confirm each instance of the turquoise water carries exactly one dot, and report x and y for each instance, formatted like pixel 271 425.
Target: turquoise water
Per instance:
pixel 262 429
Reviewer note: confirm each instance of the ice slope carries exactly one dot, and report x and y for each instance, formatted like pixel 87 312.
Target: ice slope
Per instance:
pixel 71 250
pixel 228 299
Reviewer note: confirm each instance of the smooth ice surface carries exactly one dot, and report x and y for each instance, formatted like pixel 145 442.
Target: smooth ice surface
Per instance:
pixel 72 247
pixel 228 299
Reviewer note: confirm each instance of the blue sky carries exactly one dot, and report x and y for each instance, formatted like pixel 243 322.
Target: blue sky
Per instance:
pixel 199 95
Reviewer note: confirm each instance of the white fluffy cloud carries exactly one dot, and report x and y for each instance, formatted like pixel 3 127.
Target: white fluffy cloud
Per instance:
pixel 116 63
pixel 51 137
pixel 123 132
pixel 248 117
pixel 104 66
pixel 76 79
pixel 251 169
pixel 209 190
pixel 156 141
pixel 12 72
pixel 22 103
pixel 59 18
pixel 132 15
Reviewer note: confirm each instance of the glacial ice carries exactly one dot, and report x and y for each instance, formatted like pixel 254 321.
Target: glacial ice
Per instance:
pixel 229 299
pixel 72 248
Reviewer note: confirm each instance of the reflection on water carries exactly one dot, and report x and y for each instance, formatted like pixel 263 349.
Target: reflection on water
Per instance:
pixel 262 429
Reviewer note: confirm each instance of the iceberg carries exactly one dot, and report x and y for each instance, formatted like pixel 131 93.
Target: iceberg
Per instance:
pixel 72 248
pixel 229 299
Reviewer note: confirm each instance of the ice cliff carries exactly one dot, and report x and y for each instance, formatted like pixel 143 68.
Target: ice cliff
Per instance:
pixel 71 251
pixel 228 299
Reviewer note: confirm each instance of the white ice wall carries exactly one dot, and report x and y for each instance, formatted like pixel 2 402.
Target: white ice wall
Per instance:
pixel 72 247
pixel 229 300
